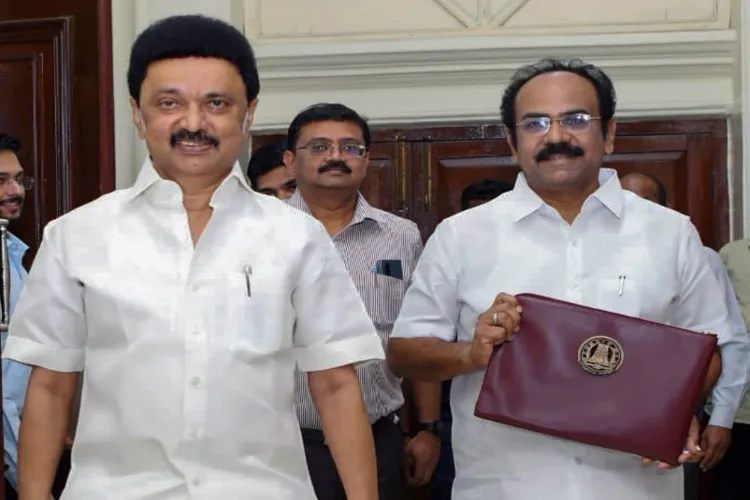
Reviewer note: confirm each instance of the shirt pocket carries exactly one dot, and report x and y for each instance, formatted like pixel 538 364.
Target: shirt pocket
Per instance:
pixel 384 299
pixel 257 319
pixel 619 292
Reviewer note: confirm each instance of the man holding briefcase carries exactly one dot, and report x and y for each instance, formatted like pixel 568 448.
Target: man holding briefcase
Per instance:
pixel 567 231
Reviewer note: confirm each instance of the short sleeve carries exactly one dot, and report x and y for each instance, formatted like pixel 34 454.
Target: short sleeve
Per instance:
pixel 48 325
pixel 332 328
pixel 430 307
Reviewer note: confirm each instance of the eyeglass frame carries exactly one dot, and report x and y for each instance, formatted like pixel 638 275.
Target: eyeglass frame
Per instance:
pixel 332 146
pixel 26 182
pixel 559 119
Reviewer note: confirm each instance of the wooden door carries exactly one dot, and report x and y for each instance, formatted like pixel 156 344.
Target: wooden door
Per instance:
pixel 56 88
pixel 688 156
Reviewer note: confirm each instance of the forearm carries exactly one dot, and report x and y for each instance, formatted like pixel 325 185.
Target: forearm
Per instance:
pixel 429 359
pixel 43 431
pixel 347 431
pixel 426 400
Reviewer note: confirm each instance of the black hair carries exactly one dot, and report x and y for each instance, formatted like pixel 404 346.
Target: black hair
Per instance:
pixel 605 90
pixel 179 37
pixel 265 159
pixel 8 143
pixel 324 112
pixel 661 190
pixel 485 190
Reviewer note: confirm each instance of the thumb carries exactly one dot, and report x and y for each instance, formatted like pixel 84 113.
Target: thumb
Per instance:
pixel 693 438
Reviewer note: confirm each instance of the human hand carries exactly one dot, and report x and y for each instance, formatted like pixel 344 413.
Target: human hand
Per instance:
pixel 715 442
pixel 691 453
pixel 494 326
pixel 421 455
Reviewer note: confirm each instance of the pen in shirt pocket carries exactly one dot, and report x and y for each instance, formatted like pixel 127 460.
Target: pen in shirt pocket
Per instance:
pixel 248 273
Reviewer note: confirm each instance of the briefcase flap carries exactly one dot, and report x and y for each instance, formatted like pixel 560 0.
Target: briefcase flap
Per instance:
pixel 598 378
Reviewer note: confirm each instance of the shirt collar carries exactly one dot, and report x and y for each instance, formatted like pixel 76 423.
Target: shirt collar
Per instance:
pixel 16 246
pixel 363 210
pixel 150 180
pixel 610 194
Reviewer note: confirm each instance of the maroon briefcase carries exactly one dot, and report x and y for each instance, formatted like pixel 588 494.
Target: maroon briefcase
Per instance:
pixel 598 378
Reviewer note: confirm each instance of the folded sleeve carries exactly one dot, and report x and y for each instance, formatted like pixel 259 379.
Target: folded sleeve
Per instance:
pixel 332 325
pixel 430 307
pixel 48 326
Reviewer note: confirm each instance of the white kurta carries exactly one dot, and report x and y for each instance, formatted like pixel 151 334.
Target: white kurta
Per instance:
pixel 188 389
pixel 516 244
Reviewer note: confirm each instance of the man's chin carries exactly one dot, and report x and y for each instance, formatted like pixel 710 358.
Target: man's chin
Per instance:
pixel 10 216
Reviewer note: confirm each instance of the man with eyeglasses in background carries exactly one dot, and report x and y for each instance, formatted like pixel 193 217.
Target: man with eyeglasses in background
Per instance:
pixel 267 172
pixel 328 153
pixel 13 186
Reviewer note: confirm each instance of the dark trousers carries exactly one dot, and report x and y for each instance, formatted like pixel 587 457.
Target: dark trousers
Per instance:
pixel 389 447
pixel 441 483
pixel 732 479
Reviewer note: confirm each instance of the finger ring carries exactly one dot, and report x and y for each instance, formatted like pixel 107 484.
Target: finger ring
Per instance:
pixel 495 321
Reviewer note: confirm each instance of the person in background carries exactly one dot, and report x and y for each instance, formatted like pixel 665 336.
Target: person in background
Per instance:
pixel 717 435
pixel 480 192
pixel 13 186
pixel 329 150
pixel 731 473
pixel 567 230
pixel 473 195
pixel 188 300
pixel 267 172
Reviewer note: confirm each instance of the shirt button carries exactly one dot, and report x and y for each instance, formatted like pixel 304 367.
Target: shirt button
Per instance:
pixel 196 482
pixel 196 381
pixel 579 461
pixel 196 333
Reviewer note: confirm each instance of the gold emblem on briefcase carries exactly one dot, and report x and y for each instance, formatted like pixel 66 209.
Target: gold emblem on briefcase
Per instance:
pixel 600 355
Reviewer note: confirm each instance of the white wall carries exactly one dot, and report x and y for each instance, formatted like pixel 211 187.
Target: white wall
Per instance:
pixel 420 62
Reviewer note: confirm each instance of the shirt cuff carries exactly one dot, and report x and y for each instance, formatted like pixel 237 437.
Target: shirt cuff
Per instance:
pixel 30 352
pixel 366 347
pixel 722 416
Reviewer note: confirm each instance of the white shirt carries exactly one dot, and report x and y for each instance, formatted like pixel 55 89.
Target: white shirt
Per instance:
pixel 188 385
pixel 725 403
pixel 516 243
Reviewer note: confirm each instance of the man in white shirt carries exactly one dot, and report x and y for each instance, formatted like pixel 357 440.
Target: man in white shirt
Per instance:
pixel 569 231
pixel 187 300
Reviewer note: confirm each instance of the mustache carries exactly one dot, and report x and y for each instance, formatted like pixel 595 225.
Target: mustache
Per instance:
pixel 12 199
pixel 335 165
pixel 559 148
pixel 197 136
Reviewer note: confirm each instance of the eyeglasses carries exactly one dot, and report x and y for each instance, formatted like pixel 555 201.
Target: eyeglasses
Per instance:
pixel 25 182
pixel 349 150
pixel 575 122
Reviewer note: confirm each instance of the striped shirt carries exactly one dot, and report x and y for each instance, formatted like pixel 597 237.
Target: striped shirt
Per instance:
pixel 372 235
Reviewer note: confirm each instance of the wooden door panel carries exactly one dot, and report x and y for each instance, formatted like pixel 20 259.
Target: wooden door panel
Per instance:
pixel 56 66
pixel 382 186
pixel 34 70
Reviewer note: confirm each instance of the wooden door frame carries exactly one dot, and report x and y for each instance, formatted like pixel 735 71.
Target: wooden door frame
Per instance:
pixel 107 173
